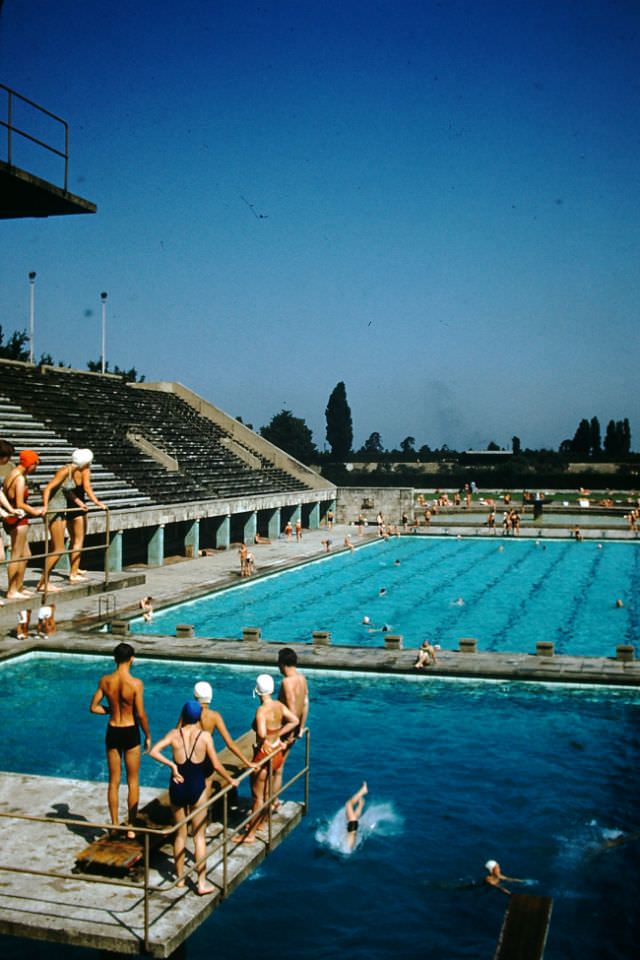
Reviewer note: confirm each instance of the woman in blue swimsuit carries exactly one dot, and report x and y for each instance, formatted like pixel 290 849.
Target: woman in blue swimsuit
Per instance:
pixel 193 751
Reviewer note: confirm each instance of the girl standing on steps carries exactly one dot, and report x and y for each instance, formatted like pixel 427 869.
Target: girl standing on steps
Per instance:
pixel 63 499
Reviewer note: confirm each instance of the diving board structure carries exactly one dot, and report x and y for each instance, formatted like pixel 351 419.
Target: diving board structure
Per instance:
pixel 524 928
pixel 53 886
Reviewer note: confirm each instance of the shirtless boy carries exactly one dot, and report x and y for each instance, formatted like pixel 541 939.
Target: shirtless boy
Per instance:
pixel 125 709
pixel 294 692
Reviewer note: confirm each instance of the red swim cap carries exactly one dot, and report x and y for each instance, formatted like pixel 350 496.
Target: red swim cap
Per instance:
pixel 28 458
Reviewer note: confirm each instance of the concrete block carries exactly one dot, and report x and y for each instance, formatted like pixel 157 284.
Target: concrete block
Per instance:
pixel 184 630
pixel 321 638
pixel 252 634
pixel 625 652
pixel 468 645
pixel 544 648
pixel 120 628
pixel 393 641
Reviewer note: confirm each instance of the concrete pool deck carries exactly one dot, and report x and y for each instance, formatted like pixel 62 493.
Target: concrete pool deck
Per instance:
pixel 101 916
pixel 191 578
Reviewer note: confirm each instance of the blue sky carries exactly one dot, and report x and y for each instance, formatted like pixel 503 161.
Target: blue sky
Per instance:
pixel 444 206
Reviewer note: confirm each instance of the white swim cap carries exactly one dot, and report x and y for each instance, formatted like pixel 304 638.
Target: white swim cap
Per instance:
pixel 44 613
pixel 490 864
pixel 82 457
pixel 203 691
pixel 366 619
pixel 264 685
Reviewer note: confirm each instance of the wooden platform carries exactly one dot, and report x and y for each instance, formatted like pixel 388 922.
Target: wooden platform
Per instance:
pixel 524 928
pixel 117 856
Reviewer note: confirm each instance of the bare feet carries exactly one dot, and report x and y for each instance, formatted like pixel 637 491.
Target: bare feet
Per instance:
pixel 131 834
pixel 50 589
pixel 180 883
pixel 17 595
pixel 78 578
pixel 204 889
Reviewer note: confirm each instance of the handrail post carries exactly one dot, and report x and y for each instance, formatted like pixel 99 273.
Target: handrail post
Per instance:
pixel 270 800
pixel 9 127
pixel 45 573
pixel 225 840
pixel 146 892
pixel 306 774
pixel 107 527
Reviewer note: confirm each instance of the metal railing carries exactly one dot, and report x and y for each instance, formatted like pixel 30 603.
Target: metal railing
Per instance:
pixel 12 129
pixel 47 553
pixel 221 842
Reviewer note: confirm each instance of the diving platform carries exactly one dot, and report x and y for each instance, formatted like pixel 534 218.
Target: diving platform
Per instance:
pixel 524 929
pixel 25 195
pixel 64 880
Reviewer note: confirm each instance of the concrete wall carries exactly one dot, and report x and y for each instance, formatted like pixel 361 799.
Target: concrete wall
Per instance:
pixel 369 501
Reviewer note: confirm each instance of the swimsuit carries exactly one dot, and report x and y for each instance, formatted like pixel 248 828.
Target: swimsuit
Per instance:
pixel 12 520
pixel 352 826
pixel 122 738
pixel 187 793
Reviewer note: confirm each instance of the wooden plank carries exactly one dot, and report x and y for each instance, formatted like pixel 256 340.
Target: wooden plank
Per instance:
pixel 524 928
pixel 116 855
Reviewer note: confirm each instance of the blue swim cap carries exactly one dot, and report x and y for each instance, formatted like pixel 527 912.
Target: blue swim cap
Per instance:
pixel 191 711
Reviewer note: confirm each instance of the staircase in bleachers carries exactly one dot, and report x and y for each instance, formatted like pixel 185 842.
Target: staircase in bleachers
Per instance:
pixel 103 413
pixel 26 433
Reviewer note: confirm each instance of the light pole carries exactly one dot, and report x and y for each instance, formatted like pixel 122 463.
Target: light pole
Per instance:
pixel 103 298
pixel 32 314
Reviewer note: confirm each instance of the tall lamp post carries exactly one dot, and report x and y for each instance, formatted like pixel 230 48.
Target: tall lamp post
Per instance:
pixel 32 314
pixel 103 298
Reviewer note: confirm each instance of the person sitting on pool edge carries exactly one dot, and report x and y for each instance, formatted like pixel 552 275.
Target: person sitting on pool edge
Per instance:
pixel 426 655
pixel 495 877
pixel 353 811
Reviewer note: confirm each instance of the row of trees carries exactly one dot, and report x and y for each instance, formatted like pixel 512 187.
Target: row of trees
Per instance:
pixel 17 348
pixel 293 435
pixel 587 440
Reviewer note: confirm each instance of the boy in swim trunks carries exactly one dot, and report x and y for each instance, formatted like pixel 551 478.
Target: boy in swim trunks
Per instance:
pixel 125 709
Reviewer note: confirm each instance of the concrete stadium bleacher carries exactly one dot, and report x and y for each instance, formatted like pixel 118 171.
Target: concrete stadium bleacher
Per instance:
pixel 53 410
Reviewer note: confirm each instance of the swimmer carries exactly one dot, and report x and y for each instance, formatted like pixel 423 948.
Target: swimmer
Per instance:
pixel 426 655
pixel 495 877
pixel 619 603
pixel 366 621
pixel 353 811
pixel 396 563
pixel 457 603
pixel 146 605
pixel 382 591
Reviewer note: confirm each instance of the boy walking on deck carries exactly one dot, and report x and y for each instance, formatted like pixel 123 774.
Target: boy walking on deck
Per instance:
pixel 125 699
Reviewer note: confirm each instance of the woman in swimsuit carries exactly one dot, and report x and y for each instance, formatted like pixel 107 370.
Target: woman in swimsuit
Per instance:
pixel 63 500
pixel 192 748
pixel 16 492
pixel 273 720
pixel 353 811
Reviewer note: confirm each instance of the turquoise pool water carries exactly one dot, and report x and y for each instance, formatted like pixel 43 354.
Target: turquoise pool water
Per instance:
pixel 537 777
pixel 515 592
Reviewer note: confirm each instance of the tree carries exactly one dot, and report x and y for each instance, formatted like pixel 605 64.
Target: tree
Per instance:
pixel 373 443
pixel 15 347
pixel 581 442
pixel 129 376
pixel 596 443
pixel 516 446
pixel 617 439
pixel 339 423
pixel 493 446
pixel 610 438
pixel 291 434
pixel 408 446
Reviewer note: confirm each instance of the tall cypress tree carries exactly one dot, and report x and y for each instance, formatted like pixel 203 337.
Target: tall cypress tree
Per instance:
pixel 596 442
pixel 339 423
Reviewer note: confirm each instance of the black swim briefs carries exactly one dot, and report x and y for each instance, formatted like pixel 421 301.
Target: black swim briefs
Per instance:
pixel 122 738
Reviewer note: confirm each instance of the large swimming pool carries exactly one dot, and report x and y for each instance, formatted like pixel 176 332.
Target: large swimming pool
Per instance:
pixel 507 593
pixel 540 778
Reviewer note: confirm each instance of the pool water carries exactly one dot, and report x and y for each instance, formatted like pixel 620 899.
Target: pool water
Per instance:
pixel 539 778
pixel 513 593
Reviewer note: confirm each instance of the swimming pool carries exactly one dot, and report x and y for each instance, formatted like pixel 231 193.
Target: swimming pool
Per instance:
pixel 514 593
pixel 536 777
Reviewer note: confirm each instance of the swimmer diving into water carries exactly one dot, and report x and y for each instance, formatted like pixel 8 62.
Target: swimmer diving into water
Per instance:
pixel 353 811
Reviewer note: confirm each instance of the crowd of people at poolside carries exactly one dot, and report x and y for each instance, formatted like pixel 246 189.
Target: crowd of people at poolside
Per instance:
pixel 64 504
pixel 196 771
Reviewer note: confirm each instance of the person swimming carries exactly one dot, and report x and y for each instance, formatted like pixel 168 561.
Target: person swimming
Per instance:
pixel 495 876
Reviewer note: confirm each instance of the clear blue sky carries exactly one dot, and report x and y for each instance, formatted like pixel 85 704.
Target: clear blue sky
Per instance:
pixel 445 206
